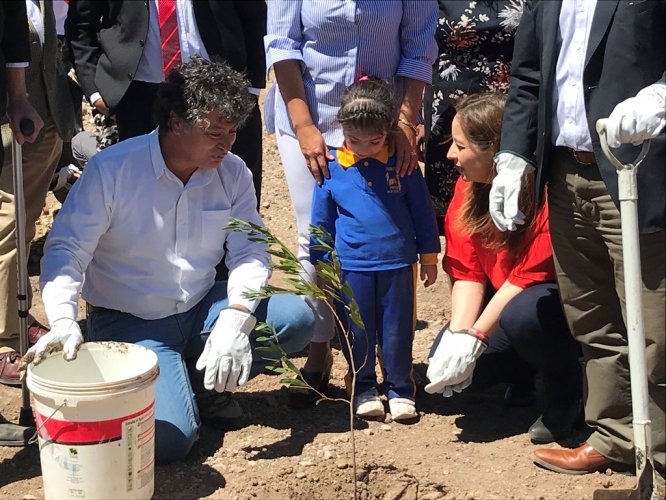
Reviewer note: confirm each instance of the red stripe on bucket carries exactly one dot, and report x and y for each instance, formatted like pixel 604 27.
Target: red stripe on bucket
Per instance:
pixel 82 433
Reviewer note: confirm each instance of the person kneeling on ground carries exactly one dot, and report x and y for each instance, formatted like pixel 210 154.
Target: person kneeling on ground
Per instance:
pixel 145 224
pixel 506 315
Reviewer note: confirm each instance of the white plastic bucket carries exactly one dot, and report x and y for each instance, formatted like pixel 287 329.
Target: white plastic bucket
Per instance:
pixel 96 421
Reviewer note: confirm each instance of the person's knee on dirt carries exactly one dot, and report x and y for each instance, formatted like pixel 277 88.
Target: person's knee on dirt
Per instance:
pixel 146 225
pixel 381 225
pixel 523 316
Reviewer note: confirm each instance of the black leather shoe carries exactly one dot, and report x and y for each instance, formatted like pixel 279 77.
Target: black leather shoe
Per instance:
pixel 556 423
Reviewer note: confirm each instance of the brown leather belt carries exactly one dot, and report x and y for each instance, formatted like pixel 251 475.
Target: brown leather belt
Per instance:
pixel 582 157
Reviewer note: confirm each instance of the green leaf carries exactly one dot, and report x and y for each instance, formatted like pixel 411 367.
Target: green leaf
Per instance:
pixel 293 382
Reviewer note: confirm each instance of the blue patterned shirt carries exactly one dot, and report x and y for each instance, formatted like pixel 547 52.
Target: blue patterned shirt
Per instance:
pixel 339 41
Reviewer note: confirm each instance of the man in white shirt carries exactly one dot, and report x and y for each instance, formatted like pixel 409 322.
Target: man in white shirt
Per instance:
pixel 146 225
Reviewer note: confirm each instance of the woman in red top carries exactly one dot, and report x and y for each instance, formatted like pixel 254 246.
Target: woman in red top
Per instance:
pixel 506 310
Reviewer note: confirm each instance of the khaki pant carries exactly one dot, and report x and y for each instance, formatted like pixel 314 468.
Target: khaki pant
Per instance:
pixel 40 160
pixel 587 246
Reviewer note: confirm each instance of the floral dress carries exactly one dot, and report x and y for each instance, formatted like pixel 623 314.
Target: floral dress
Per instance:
pixel 475 41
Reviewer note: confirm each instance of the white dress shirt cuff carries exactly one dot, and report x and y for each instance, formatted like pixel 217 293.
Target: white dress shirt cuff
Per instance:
pixel 17 65
pixel 94 97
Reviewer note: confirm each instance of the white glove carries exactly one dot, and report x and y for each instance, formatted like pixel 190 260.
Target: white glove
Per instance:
pixel 65 334
pixel 505 191
pixel 454 367
pixel 638 118
pixel 437 362
pixel 227 356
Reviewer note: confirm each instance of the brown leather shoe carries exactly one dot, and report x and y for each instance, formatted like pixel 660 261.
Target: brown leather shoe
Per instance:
pixel 36 331
pixel 581 460
pixel 9 368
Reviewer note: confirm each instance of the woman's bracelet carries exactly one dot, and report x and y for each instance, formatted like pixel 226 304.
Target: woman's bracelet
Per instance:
pixel 409 125
pixel 482 336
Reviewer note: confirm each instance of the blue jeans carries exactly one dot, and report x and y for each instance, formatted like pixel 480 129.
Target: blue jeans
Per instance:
pixel 178 340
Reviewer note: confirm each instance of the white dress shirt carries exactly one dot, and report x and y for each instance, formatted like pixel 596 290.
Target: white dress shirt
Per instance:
pixel 60 8
pixel 569 117
pixel 35 17
pixel 147 244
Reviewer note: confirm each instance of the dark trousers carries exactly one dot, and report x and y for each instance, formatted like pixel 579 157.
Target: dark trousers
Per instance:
pixel 134 113
pixel 533 336
pixel 386 304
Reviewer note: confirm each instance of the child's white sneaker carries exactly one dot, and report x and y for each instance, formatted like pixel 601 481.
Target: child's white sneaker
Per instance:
pixel 368 404
pixel 402 409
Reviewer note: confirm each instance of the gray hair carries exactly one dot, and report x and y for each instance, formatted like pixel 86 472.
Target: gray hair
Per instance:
pixel 194 89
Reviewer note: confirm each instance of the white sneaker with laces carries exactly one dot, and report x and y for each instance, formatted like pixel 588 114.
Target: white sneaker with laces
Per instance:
pixel 368 404
pixel 402 409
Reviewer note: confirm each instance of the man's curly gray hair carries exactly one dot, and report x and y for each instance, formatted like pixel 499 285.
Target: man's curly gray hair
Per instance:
pixel 196 88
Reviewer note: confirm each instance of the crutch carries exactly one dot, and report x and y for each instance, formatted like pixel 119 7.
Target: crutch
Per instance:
pixel 631 256
pixel 27 128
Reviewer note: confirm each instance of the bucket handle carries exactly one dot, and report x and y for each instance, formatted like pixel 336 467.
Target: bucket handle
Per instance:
pixel 33 438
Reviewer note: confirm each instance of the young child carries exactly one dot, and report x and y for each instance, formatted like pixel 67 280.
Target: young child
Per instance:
pixel 379 223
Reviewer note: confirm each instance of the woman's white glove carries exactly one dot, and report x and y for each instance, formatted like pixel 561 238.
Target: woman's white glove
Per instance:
pixel 452 365
pixel 638 118
pixel 65 334
pixel 505 190
pixel 227 356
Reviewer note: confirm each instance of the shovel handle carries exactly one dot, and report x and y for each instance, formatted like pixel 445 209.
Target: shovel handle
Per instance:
pixel 601 130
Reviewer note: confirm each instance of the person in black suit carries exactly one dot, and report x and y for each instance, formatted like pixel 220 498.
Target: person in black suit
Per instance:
pixel 116 47
pixel 575 63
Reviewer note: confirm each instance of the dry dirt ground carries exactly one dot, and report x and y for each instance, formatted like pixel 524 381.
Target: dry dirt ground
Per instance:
pixel 469 446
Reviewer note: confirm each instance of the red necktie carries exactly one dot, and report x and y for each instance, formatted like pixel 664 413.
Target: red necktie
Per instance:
pixel 168 34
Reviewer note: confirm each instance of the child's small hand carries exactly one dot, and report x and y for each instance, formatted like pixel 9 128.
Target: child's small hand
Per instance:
pixel 428 274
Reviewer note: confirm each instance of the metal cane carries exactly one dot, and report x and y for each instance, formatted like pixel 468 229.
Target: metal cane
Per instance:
pixel 628 195
pixel 27 128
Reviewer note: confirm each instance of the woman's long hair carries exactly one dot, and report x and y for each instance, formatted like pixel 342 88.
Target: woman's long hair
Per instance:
pixel 480 117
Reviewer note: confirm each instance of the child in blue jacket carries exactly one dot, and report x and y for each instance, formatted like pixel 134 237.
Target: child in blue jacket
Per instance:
pixel 380 224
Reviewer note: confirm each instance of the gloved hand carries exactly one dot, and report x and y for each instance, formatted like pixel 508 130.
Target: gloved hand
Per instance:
pixel 505 191
pixel 227 356
pixel 65 334
pixel 638 118
pixel 448 391
pixel 453 368
pixel 437 362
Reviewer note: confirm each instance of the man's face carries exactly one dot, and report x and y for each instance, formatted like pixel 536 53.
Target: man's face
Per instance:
pixel 208 147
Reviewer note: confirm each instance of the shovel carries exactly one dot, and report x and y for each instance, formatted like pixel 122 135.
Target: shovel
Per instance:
pixel 628 195
pixel 27 127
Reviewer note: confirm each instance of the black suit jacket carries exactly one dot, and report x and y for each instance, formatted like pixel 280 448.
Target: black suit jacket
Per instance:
pixel 14 42
pixel 107 39
pixel 625 53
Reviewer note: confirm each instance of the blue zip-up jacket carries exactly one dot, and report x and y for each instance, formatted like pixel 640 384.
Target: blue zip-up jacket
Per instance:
pixel 378 220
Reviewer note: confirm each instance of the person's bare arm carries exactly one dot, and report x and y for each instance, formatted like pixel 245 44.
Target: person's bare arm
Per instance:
pixel 290 82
